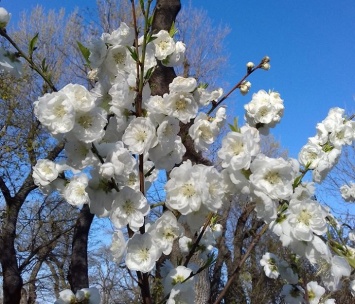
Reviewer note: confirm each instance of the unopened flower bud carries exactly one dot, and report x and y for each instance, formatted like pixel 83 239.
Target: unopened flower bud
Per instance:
pixel 250 65
pixel 245 87
pixel 4 17
pixel 266 59
pixel 266 66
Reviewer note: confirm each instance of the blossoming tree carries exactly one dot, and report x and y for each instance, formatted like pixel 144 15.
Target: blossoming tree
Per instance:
pixel 140 118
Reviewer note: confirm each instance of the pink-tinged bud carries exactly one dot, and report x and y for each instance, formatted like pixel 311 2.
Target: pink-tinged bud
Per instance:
pixel 4 17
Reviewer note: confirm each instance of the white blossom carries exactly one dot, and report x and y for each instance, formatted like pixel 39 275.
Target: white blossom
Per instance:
pixel 270 263
pixel 238 149
pixel 182 106
pixel 164 44
pixel 306 218
pixel 98 51
pixel 129 207
pixel 348 192
pixel 315 292
pixel 79 96
pixel 140 135
pixel 185 191
pixel 332 270
pixel 89 126
pixel 124 35
pixel 75 192
pixel 177 57
pixel 175 279
pixel 118 246
pixel 142 253
pixel 44 172
pixel 182 85
pixel 273 176
pixel 203 132
pixel 56 112
pixel 167 157
pixel 264 110
pixel 165 230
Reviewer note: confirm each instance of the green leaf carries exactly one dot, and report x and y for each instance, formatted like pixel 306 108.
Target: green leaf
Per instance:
pixel 150 20
pixel 149 73
pixel 84 51
pixel 133 52
pixel 203 85
pixel 141 2
pixel 32 46
pixel 150 38
pixel 235 127
pixel 297 181
pixel 173 30
pixel 44 66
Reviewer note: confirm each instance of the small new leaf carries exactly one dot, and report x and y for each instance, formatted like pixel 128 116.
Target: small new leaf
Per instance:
pixel 150 20
pixel 203 85
pixel 235 127
pixel 133 52
pixel 141 2
pixel 84 51
pixel 150 38
pixel 32 45
pixel 149 73
pixel 173 30
pixel 44 66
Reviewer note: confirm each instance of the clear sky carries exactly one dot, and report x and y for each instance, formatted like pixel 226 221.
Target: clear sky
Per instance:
pixel 311 45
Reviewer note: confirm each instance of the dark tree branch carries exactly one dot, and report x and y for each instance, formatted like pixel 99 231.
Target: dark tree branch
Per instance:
pixel 78 270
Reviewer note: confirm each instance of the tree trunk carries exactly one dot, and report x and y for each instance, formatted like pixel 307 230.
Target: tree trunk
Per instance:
pixel 12 280
pixel 78 276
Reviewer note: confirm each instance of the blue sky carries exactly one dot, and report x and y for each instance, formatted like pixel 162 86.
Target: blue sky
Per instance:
pixel 311 45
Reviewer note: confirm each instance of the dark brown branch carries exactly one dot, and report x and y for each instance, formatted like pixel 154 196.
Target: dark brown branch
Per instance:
pixel 78 270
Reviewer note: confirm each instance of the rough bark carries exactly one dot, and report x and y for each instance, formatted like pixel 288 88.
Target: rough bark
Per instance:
pixel 12 280
pixel 78 270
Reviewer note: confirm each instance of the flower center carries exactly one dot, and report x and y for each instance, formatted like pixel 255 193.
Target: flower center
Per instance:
pixel 304 217
pixel 143 254
pixel 237 147
pixel 119 58
pixel 188 190
pixel 273 177
pixel 181 104
pixel 60 111
pixel 128 207
pixel 141 135
pixel 85 121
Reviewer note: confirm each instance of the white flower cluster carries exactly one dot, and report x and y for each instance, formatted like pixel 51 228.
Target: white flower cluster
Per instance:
pixel 322 151
pixel 275 267
pixel 264 110
pixel 348 192
pixel 89 295
pixel 110 131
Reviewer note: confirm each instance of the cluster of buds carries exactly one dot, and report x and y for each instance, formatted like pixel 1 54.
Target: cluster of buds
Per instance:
pixel 265 63
pixel 244 87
